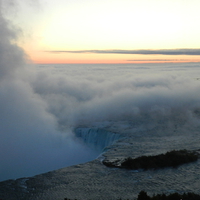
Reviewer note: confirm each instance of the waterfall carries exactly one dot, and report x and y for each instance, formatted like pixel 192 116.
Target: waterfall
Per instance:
pixel 97 138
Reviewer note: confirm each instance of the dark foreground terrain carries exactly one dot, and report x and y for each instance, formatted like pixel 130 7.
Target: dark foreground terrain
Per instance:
pixel 174 196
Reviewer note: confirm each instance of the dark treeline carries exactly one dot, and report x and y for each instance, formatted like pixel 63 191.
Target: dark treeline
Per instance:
pixel 174 196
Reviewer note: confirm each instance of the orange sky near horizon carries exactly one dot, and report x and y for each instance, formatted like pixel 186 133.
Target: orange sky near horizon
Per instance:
pixel 60 26
pixel 89 58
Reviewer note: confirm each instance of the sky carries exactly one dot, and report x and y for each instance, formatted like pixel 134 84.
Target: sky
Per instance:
pixel 108 31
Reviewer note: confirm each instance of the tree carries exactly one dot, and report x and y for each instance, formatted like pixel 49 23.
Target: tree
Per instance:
pixel 143 196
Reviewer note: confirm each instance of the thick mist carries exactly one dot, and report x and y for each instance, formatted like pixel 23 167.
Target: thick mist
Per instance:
pixel 138 94
pixel 30 142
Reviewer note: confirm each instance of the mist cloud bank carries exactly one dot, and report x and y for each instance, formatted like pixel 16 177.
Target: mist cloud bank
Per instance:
pixel 135 93
pixel 30 141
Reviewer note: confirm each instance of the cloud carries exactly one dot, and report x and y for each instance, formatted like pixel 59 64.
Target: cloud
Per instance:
pixel 10 4
pixel 30 142
pixel 143 95
pixel 11 56
pixel 142 52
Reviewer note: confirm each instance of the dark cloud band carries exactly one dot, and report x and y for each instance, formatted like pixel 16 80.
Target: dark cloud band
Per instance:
pixel 142 52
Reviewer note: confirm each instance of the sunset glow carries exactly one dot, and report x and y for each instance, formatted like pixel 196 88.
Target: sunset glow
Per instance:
pixel 104 25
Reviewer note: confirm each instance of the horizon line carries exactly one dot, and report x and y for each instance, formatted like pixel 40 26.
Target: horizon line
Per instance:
pixel 127 62
pixel 185 51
